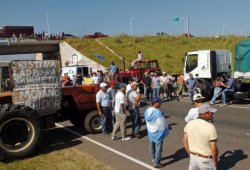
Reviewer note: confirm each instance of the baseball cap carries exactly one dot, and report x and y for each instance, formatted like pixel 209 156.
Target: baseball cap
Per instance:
pixel 122 85
pixel 103 85
pixel 112 82
pixel 156 100
pixel 206 108
pixel 134 83
pixel 198 97
pixel 163 72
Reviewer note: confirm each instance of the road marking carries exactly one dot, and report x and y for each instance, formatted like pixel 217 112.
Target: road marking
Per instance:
pixel 240 107
pixel 108 148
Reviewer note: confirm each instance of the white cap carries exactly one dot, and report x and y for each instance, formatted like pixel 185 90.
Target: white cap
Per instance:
pixel 103 85
pixel 206 108
pixel 163 72
pixel 198 97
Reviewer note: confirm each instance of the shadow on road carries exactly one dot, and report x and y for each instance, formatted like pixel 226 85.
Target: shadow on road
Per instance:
pixel 230 158
pixel 177 156
pixel 56 139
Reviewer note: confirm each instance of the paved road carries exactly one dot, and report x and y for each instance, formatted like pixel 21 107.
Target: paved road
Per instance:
pixel 233 128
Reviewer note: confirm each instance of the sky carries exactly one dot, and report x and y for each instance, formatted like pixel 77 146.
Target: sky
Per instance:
pixel 112 17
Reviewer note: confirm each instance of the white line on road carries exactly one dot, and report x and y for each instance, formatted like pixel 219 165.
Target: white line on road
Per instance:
pixel 108 148
pixel 240 107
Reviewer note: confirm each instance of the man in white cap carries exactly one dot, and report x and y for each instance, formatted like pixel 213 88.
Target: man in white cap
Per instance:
pixel 104 109
pixel 193 112
pixel 200 139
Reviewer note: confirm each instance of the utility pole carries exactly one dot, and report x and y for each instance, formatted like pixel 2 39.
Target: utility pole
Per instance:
pixel 130 23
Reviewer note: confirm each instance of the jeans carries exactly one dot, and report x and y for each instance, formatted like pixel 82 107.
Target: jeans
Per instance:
pixel 191 93
pixel 155 151
pixel 156 92
pixel 180 89
pixel 106 120
pixel 224 93
pixel 136 120
pixel 169 91
pixel 217 90
pixel 146 93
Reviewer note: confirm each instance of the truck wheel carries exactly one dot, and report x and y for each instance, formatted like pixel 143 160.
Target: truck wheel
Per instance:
pixel 21 131
pixel 206 88
pixel 92 122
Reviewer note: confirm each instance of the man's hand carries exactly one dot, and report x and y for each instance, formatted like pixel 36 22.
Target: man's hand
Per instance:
pixel 100 113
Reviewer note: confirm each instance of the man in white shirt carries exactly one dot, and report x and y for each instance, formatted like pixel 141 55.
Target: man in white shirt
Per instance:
pixel 104 109
pixel 95 79
pixel 120 113
pixel 193 112
pixel 133 107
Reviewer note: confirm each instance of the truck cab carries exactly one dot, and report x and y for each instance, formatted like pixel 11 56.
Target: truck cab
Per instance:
pixel 207 63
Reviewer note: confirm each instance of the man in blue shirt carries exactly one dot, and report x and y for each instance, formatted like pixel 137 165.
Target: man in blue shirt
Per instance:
pixel 157 128
pixel 113 70
pixel 191 84
pixel 229 88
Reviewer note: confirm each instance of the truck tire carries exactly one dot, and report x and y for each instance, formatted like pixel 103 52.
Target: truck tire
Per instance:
pixel 206 88
pixel 21 131
pixel 92 122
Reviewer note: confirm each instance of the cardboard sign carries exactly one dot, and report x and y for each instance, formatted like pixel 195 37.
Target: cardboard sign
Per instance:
pixel 36 84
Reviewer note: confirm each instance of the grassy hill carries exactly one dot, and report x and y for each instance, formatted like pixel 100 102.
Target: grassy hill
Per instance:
pixel 168 50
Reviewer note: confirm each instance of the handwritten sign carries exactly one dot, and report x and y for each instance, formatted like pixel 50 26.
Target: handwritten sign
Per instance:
pixel 36 85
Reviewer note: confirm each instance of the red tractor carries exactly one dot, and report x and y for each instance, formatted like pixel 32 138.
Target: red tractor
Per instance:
pixel 138 70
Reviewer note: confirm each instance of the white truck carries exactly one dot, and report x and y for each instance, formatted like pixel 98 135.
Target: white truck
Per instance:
pixel 206 64
pixel 81 70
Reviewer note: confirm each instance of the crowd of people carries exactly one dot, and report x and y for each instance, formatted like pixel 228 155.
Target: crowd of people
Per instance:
pixel 115 106
pixel 115 102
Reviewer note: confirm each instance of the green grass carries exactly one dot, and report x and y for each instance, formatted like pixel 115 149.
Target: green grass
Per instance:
pixel 57 152
pixel 168 50
pixel 66 159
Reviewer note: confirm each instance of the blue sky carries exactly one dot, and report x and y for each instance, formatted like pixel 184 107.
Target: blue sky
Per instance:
pixel 80 17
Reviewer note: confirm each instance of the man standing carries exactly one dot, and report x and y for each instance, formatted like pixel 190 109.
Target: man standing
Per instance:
pixel 111 91
pixel 95 79
pixel 229 88
pixel 180 83
pixel 104 109
pixel 200 139
pixel 191 84
pixel 120 113
pixel 157 130
pixel 155 85
pixel 169 81
pixel 113 70
pixel 163 84
pixel 146 81
pixel 133 107
pixel 193 112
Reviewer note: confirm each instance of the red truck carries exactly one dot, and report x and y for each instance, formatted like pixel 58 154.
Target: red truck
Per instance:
pixel 96 35
pixel 8 31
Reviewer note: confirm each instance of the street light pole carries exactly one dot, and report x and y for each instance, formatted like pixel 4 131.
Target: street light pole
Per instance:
pixel 130 23
pixel 48 23
pixel 223 29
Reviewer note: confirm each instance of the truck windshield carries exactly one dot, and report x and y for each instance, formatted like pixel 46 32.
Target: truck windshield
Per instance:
pixel 191 62
pixel 152 64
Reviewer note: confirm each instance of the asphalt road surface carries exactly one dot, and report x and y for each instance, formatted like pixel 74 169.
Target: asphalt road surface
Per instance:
pixel 232 123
